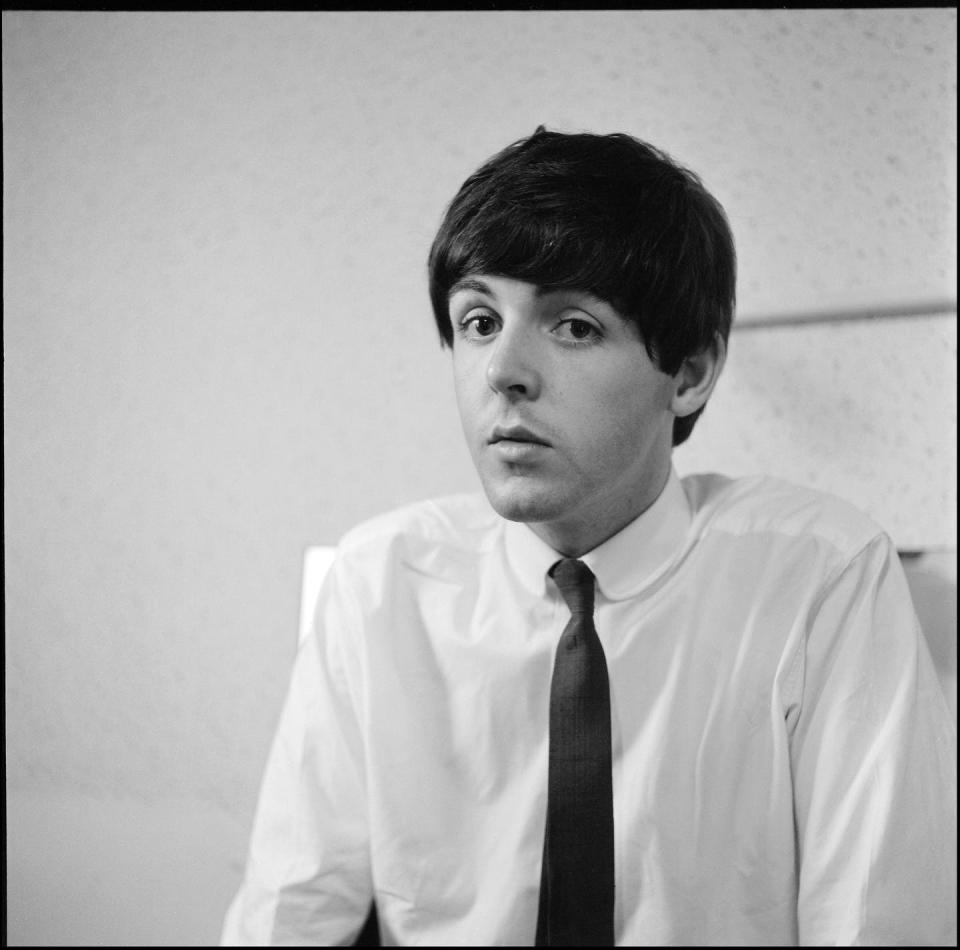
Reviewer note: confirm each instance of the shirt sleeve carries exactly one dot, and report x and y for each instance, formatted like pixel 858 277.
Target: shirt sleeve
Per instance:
pixel 307 880
pixel 874 759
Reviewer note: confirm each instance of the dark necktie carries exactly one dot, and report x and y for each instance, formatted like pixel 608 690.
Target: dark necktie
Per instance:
pixel 577 883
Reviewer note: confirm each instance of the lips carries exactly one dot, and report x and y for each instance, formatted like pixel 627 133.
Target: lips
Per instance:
pixel 516 434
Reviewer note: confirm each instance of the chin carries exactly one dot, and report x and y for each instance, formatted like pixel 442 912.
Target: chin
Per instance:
pixel 525 502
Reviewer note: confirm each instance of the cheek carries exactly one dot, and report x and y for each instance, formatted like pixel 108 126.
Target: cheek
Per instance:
pixel 622 416
pixel 467 391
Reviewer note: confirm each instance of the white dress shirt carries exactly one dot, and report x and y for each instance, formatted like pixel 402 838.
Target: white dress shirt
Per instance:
pixel 784 760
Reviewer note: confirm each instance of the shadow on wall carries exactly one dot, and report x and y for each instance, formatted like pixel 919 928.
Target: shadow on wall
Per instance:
pixel 933 584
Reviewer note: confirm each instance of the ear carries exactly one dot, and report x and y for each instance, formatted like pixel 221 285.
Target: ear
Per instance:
pixel 696 378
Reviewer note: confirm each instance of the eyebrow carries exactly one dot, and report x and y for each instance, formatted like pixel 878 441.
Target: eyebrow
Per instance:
pixel 469 283
pixel 474 283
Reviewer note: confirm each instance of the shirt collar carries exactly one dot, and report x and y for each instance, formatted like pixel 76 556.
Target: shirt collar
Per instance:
pixel 626 562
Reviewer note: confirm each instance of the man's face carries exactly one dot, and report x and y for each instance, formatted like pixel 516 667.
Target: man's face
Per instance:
pixel 567 418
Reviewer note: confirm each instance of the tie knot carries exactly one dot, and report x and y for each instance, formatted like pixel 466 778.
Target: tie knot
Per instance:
pixel 575 582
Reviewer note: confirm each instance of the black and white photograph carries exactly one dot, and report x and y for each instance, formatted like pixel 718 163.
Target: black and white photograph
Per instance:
pixel 480 477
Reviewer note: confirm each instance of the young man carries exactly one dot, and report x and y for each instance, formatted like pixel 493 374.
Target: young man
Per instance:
pixel 604 704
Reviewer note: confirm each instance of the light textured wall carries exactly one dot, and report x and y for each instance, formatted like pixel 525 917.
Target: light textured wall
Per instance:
pixel 866 408
pixel 218 346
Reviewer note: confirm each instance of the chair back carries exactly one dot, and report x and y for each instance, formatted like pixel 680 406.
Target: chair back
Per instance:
pixel 316 562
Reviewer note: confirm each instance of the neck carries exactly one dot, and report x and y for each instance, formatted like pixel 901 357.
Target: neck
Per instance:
pixel 579 534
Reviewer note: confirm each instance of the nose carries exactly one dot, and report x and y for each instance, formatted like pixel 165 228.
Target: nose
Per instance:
pixel 513 369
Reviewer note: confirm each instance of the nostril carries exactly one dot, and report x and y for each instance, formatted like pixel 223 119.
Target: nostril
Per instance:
pixel 510 376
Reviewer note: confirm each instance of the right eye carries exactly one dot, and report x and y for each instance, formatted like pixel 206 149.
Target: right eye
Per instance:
pixel 478 325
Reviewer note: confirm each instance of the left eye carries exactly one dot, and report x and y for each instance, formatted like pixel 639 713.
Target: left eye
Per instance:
pixel 578 330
